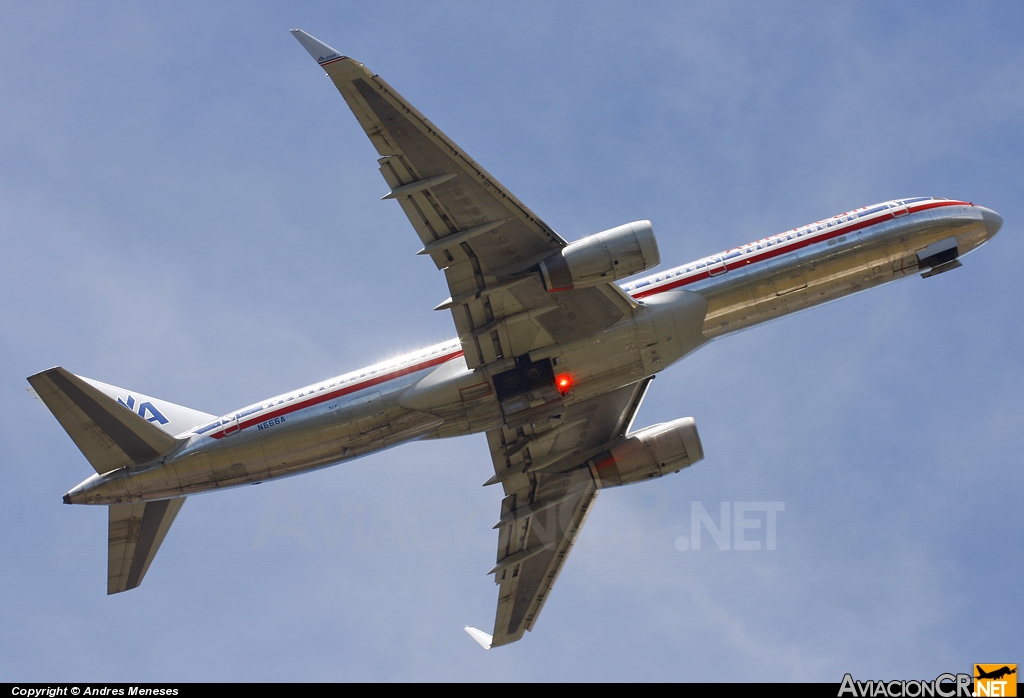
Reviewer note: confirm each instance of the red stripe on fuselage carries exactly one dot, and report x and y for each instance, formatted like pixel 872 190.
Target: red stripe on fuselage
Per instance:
pixel 792 245
pixel 777 250
pixel 332 394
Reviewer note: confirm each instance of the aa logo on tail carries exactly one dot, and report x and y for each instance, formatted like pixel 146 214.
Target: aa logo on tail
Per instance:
pixel 995 680
pixel 154 415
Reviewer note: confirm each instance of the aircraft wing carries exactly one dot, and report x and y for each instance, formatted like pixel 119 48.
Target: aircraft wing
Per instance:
pixel 474 229
pixel 548 498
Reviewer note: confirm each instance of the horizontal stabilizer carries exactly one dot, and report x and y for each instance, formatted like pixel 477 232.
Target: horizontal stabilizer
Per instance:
pixel 480 636
pixel 134 535
pixel 109 434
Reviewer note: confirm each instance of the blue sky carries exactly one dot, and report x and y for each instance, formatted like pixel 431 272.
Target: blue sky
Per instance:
pixel 188 209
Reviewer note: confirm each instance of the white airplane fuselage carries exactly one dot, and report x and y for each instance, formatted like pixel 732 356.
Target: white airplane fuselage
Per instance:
pixel 432 394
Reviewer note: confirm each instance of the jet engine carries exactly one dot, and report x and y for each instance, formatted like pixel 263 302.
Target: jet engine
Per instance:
pixel 609 256
pixel 649 453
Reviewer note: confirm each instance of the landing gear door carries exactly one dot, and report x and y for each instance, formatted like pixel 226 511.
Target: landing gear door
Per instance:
pixel 939 257
pixel 530 385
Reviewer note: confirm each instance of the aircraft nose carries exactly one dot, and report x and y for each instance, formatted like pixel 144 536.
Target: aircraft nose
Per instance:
pixel 993 221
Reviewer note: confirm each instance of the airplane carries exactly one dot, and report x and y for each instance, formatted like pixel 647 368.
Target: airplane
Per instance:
pixel 995 674
pixel 555 352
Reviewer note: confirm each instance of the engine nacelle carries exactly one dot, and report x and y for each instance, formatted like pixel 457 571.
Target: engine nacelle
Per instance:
pixel 609 256
pixel 649 453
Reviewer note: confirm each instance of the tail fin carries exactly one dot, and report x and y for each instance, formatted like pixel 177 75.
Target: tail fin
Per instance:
pixel 170 418
pixel 106 428
pixel 134 535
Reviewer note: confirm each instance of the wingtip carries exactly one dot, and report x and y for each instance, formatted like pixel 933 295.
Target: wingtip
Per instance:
pixel 320 51
pixel 482 638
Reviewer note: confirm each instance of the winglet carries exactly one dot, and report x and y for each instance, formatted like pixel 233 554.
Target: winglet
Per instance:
pixel 323 53
pixel 480 636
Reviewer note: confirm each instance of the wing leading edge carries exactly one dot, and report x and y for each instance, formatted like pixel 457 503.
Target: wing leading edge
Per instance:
pixel 487 241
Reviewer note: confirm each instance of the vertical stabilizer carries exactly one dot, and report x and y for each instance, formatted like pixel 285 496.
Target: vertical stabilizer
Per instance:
pixel 107 433
pixel 168 417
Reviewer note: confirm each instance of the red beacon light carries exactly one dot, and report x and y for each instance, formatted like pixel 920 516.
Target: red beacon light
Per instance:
pixel 564 383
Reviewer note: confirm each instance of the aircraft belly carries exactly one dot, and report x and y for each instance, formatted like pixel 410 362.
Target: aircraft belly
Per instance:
pixel 662 331
pixel 462 398
pixel 334 434
pixel 327 436
pixel 747 297
pixel 733 300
